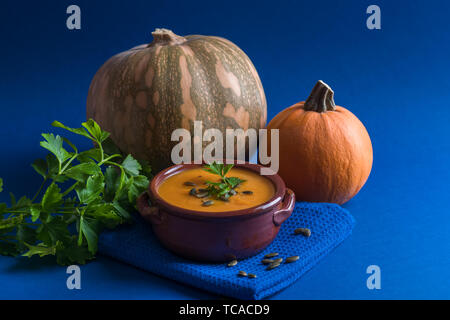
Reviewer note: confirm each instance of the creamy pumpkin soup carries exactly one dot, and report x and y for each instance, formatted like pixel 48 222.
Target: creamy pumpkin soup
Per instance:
pixel 197 189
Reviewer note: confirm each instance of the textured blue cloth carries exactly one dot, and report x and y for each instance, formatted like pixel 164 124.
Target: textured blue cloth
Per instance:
pixel 329 224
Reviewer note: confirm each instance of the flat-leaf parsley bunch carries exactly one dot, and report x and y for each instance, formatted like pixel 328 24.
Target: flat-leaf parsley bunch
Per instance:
pixel 81 194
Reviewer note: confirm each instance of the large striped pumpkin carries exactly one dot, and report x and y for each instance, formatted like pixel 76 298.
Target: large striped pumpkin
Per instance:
pixel 143 94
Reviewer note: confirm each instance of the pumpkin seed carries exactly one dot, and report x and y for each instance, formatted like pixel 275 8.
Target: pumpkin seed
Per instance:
pixel 202 195
pixel 242 273
pixel 247 192
pixel 202 190
pixel 303 231
pixel 279 260
pixel 251 275
pixel 292 259
pixel 232 263
pixel 232 192
pixel 273 265
pixel 267 261
pixel 189 183
pixel 193 192
pixel 207 203
pixel 271 255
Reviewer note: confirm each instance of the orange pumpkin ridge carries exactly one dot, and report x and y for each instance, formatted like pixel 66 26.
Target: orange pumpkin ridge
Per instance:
pixel 325 151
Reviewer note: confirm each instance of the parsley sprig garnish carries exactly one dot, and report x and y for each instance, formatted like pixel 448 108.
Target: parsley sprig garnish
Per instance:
pixel 223 188
pixel 81 194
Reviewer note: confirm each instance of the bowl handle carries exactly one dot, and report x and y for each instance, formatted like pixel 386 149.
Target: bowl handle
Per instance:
pixel 287 205
pixel 150 214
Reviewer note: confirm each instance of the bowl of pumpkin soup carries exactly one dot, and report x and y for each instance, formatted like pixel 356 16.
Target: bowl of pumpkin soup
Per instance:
pixel 216 212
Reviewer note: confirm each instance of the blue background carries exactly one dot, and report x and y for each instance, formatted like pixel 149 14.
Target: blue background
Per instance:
pixel 396 80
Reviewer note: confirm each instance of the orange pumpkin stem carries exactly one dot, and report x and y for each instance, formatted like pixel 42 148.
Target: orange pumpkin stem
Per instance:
pixel 321 98
pixel 163 36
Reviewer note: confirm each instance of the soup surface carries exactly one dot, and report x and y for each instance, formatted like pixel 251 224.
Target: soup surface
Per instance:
pixel 255 190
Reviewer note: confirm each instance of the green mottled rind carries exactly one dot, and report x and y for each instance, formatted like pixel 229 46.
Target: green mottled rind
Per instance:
pixel 145 93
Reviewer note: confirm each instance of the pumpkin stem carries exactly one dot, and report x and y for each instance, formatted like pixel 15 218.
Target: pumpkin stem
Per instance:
pixel 321 98
pixel 163 36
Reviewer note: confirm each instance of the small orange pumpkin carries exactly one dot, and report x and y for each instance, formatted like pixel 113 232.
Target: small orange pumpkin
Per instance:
pixel 325 151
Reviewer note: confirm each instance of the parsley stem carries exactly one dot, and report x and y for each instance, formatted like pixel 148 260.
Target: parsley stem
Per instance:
pixel 60 211
pixel 71 219
pixel 119 189
pixel 39 190
pixel 101 151
pixel 106 160
pixel 114 164
pixel 70 189
pixel 67 164
pixel 80 230
pixel 17 211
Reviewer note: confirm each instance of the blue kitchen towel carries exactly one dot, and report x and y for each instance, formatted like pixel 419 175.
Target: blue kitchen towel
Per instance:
pixel 329 224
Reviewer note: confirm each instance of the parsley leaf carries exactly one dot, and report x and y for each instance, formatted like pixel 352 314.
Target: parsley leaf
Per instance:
pixel 234 182
pixel 35 213
pixel 92 190
pixel 222 189
pixel 82 171
pixel 79 131
pixel 112 180
pixel 55 146
pixel 73 253
pixel 131 165
pixel 136 184
pixel 94 129
pixel 40 165
pixel 91 155
pixel 88 229
pixel 52 198
pixel 25 234
pixel 53 229
pixel 41 249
